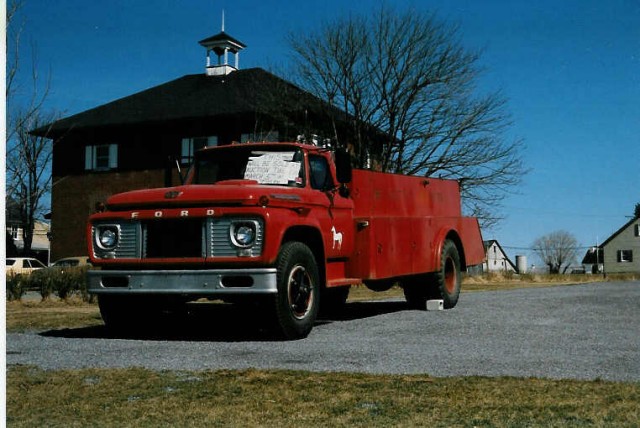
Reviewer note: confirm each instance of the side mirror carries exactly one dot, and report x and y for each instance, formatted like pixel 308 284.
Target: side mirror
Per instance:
pixel 343 166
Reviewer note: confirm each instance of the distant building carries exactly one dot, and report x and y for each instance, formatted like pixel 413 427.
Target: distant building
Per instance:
pixel 496 260
pixel 127 144
pixel 622 249
pixel 593 260
pixel 14 243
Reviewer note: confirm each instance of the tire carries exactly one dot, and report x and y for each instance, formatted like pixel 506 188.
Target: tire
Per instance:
pixel 417 290
pixel 333 300
pixel 443 284
pixel 298 298
pixel 119 313
pixel 449 276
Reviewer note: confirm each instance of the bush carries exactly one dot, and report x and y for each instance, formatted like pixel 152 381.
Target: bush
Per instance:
pixel 16 286
pixel 63 283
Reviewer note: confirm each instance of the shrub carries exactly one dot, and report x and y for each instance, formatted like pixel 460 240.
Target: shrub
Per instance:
pixel 16 286
pixel 63 283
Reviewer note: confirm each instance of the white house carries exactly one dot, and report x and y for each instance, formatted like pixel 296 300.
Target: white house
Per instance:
pixel 496 260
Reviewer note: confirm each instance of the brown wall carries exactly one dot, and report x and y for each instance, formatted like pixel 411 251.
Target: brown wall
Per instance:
pixel 74 198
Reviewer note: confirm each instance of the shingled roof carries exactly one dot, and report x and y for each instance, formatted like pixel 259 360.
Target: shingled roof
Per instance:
pixel 193 97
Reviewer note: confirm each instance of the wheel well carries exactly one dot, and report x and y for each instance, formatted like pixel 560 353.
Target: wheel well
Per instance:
pixel 311 237
pixel 455 238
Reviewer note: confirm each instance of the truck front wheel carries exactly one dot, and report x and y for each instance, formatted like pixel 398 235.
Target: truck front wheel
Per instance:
pixel 121 314
pixel 297 301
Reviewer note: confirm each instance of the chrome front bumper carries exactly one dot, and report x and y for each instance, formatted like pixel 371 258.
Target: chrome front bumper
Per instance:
pixel 216 282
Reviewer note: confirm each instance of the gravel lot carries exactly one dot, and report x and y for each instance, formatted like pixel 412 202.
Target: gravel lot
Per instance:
pixel 586 331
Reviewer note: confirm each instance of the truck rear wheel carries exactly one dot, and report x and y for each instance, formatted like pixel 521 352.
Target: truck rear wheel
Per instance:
pixel 443 284
pixel 449 276
pixel 298 299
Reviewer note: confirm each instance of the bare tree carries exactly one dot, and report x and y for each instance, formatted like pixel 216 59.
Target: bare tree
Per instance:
pixel 557 249
pixel 28 157
pixel 29 173
pixel 407 87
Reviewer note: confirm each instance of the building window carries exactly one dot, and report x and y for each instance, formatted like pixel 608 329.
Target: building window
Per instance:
pixel 14 232
pixel 636 230
pixel 625 256
pixel 260 137
pixel 193 144
pixel 101 157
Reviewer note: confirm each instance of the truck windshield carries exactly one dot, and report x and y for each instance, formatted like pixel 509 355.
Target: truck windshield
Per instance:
pixel 282 166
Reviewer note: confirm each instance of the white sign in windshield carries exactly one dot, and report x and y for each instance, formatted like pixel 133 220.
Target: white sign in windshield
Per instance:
pixel 272 168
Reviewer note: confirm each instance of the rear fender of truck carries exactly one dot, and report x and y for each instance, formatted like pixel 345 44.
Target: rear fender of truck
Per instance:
pixel 451 235
pixel 468 240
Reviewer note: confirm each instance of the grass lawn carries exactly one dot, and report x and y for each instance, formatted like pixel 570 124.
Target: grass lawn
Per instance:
pixel 138 397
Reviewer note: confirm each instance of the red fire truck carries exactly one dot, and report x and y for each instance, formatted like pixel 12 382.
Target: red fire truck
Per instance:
pixel 289 226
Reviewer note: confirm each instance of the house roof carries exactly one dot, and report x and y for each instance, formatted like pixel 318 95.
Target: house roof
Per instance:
pixel 193 97
pixel 12 211
pixel 619 231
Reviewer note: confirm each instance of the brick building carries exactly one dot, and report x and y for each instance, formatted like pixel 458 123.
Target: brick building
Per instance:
pixel 128 143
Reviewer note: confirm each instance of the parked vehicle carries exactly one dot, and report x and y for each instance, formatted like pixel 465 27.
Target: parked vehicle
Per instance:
pixel 63 278
pixel 23 265
pixel 67 262
pixel 285 225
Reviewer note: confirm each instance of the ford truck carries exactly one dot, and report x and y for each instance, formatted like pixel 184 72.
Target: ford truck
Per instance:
pixel 287 226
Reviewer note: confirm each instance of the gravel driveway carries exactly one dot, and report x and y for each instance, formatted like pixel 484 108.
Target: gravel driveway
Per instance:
pixel 586 331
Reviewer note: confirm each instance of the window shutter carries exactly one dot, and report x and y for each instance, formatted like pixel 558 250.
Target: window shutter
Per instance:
pixel 113 156
pixel 88 158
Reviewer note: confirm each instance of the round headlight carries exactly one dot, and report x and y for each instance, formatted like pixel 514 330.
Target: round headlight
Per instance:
pixel 244 234
pixel 108 238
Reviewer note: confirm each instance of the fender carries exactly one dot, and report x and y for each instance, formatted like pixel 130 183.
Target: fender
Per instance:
pixel 438 243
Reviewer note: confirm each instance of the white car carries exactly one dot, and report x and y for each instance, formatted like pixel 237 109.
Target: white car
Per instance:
pixel 23 265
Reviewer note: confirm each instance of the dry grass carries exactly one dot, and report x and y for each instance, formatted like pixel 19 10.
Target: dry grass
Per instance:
pixel 137 397
pixel 51 314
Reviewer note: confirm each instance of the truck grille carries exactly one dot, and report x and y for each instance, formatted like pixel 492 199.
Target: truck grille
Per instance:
pixel 180 238
pixel 173 238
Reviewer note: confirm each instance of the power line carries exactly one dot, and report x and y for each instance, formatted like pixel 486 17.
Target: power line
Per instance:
pixel 538 249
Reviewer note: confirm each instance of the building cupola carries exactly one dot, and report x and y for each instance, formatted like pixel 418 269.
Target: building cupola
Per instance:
pixel 221 44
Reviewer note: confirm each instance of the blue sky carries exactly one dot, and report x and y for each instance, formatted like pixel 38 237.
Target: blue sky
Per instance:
pixel 569 69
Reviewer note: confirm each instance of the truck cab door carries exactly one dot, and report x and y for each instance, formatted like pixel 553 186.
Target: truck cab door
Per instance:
pixel 337 224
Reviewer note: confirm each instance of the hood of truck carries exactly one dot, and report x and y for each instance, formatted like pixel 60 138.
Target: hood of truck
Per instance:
pixel 231 193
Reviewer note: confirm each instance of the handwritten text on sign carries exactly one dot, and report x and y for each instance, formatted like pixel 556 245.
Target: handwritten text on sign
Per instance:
pixel 272 168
